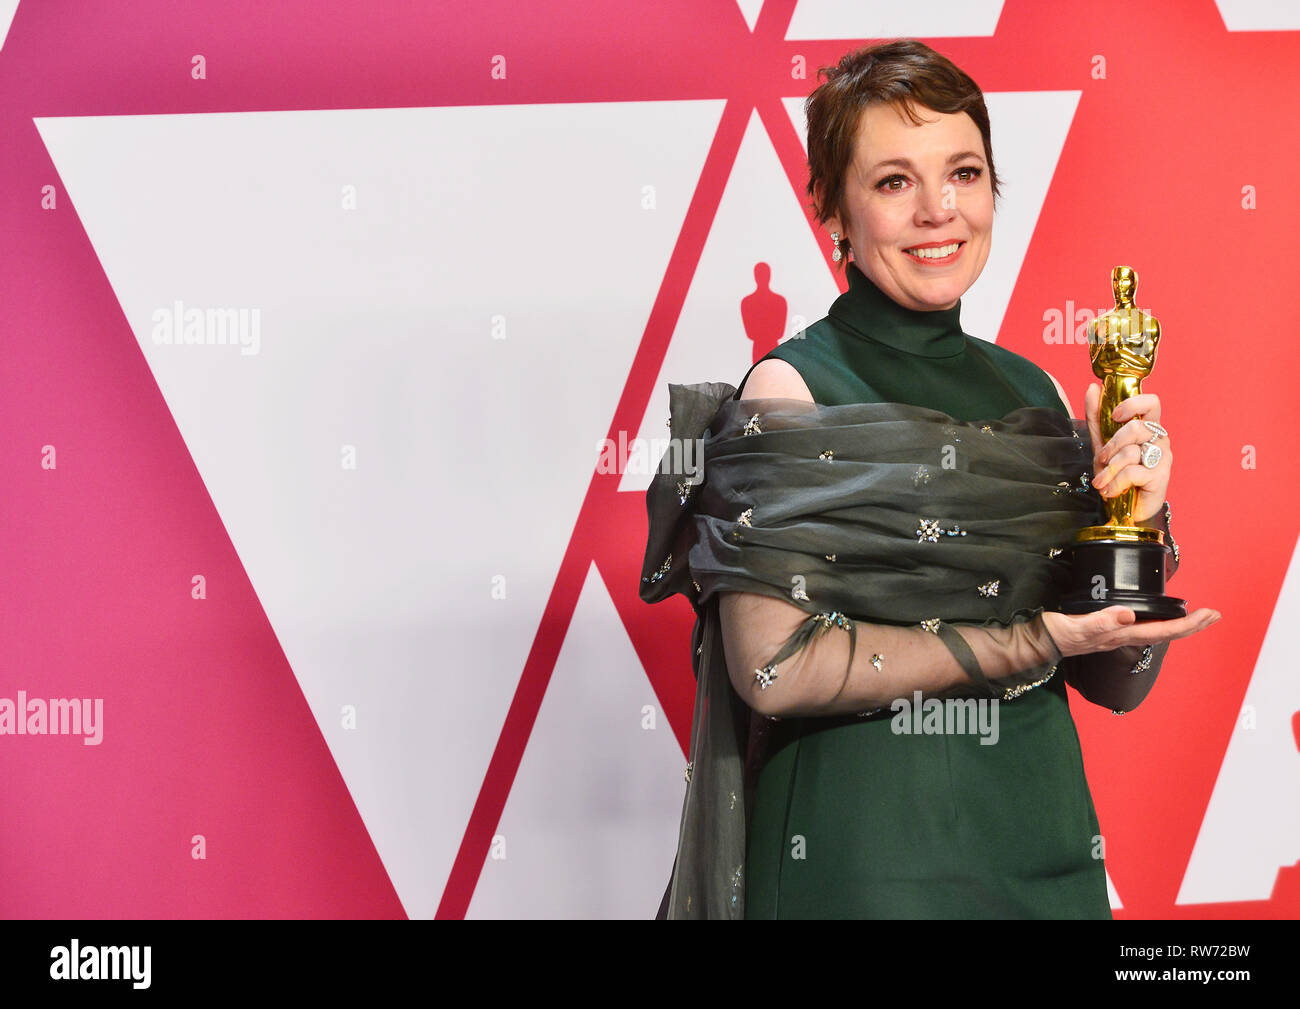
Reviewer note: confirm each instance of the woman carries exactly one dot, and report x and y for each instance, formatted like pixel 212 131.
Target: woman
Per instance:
pixel 880 530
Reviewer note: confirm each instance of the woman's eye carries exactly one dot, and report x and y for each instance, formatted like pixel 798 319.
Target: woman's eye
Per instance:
pixel 972 172
pixel 887 183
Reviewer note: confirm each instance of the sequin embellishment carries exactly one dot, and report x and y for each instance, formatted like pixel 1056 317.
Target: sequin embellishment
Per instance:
pixel 922 475
pixel 765 676
pixel 989 588
pixel 833 619
pixel 663 570
pixel 831 558
pixel 684 489
pixel 877 660
pixel 690 766
pixel 1013 692
pixel 929 531
pixel 1144 663
pixel 1065 487
pixel 931 625
pixel 798 593
pixel 827 456
pixel 751 427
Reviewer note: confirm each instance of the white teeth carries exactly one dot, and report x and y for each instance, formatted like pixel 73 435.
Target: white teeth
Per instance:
pixel 939 253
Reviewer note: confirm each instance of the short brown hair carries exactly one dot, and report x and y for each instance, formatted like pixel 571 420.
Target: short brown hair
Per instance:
pixel 904 72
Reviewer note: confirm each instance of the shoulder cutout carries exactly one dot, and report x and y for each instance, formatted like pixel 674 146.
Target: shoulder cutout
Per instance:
pixel 775 379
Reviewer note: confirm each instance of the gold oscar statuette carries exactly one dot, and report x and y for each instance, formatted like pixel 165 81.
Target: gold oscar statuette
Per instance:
pixel 1120 561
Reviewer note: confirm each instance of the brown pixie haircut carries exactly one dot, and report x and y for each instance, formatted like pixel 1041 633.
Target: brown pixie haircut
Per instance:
pixel 904 73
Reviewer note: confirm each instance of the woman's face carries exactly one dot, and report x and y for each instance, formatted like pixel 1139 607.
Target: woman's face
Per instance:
pixel 912 189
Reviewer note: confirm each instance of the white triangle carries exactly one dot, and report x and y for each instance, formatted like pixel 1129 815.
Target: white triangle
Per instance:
pixel 749 11
pixel 1259 15
pixel 1252 823
pixel 1029 130
pixel 759 219
pixel 591 826
pixel 8 8
pixel 884 19
pixel 474 453
pixel 1112 893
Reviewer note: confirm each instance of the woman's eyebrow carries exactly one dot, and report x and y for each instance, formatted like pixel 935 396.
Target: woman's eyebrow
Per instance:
pixel 905 163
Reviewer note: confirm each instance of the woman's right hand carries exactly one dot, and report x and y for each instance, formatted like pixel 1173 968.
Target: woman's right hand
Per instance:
pixel 1118 626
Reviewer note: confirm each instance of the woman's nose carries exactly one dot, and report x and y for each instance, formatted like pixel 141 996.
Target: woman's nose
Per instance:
pixel 936 204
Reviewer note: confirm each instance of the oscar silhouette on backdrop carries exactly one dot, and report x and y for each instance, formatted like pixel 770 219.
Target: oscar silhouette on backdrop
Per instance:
pixel 763 313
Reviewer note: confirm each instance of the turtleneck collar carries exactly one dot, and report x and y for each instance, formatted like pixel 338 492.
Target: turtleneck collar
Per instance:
pixel 869 312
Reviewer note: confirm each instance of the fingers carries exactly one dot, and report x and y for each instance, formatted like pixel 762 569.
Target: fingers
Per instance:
pixel 1125 470
pixel 1092 411
pixel 1113 617
pixel 1132 435
pixel 1145 405
pixel 1152 632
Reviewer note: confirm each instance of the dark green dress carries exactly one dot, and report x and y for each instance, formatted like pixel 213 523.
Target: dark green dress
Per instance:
pixel 852 821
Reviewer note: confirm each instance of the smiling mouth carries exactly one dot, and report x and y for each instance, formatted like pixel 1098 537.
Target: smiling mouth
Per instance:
pixel 935 253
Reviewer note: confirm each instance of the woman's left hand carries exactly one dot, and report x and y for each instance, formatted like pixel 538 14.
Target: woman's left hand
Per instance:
pixel 1117 465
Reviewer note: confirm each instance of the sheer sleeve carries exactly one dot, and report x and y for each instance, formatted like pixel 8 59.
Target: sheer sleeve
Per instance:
pixel 830 664
pixel 1121 678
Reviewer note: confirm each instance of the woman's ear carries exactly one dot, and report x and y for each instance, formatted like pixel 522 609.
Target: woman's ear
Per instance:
pixel 819 203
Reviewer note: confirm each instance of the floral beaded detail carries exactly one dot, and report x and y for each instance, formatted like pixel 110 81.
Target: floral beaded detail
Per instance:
pixel 827 456
pixel 1173 544
pixel 929 531
pixel 931 625
pixel 1065 487
pixel 690 766
pixel 765 676
pixel 1144 663
pixel 1012 693
pixel 989 589
pixel 664 568
pixel 743 519
pixel 833 619
pixel 752 427
pixel 921 476
pixel 799 593
pixel 684 489
pixel 877 660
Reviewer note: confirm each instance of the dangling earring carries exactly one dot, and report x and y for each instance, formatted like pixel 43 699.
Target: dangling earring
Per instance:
pixel 836 256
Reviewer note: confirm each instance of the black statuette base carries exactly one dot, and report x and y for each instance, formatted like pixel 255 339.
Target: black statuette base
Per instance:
pixel 1121 573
